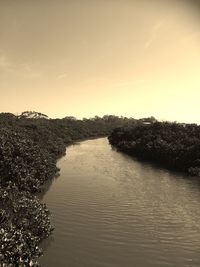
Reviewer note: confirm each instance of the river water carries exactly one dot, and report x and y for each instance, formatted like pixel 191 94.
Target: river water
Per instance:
pixel 110 210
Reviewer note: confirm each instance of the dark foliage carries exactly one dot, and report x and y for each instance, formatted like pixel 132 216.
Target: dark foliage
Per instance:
pixel 30 145
pixel 173 145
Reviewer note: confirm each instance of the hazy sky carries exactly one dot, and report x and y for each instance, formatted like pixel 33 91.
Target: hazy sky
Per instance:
pixel 94 57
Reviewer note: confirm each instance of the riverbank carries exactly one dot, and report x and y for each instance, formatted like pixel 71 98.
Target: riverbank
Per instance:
pixel 172 145
pixel 29 150
pixel 24 221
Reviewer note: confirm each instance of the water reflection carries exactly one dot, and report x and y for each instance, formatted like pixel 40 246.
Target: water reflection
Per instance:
pixel 112 210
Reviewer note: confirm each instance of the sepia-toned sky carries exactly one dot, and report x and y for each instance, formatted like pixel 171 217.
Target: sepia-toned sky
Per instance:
pixel 94 57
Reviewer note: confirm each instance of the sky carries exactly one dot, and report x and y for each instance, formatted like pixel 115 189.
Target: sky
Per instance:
pixel 94 57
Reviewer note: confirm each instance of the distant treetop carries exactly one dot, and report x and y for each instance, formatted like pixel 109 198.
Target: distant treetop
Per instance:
pixel 148 120
pixel 70 118
pixel 33 115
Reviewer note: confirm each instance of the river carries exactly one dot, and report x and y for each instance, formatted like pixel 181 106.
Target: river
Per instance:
pixel 110 210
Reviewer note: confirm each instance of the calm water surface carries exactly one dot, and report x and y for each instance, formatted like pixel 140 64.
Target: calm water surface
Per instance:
pixel 110 210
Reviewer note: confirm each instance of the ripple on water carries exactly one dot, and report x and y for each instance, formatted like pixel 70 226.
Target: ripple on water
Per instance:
pixel 111 210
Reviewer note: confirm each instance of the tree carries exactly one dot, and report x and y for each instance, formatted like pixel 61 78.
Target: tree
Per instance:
pixel 33 115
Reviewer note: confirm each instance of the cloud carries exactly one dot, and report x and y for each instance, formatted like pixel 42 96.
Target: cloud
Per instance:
pixel 9 68
pixel 61 76
pixel 129 83
pixel 94 80
pixel 3 61
pixel 154 33
pixel 28 71
pixel 194 36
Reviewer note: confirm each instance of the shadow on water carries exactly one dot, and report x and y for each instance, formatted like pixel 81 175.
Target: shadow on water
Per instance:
pixel 146 164
pixel 46 243
pixel 46 186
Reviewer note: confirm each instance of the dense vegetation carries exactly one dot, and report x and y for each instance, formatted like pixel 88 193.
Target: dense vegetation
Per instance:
pixel 30 145
pixel 173 145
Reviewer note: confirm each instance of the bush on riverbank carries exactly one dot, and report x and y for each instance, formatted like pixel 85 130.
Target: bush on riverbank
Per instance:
pixel 24 223
pixel 23 162
pixel 173 145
